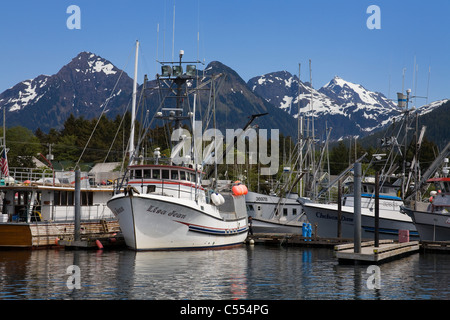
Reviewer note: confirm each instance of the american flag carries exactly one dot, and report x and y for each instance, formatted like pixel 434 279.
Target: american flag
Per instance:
pixel 4 164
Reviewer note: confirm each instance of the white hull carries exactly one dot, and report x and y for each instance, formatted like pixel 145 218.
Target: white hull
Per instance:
pixel 260 225
pixel 152 222
pixel 431 226
pixel 326 217
pixel 289 217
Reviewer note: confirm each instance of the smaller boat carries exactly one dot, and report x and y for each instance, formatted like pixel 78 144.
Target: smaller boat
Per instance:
pixel 391 219
pixel 273 214
pixel 38 209
pixel 432 219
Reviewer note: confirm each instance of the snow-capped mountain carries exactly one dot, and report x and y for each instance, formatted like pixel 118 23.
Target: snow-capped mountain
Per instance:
pixel 348 108
pixel 85 85
pixel 81 87
pixel 345 92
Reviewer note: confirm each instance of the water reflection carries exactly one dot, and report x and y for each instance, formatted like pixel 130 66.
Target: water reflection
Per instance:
pixel 210 274
pixel 248 272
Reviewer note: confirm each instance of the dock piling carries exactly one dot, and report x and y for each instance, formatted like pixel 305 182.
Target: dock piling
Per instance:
pixel 357 208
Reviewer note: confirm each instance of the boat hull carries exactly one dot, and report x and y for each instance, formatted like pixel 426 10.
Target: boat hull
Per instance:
pixel 431 226
pixel 326 218
pixel 262 208
pixel 260 225
pixel 164 223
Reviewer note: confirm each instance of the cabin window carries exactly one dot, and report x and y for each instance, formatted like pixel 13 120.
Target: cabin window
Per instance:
pixel 294 211
pixel 138 174
pixel 165 174
pixel 192 177
pixel 182 175
pixel 147 173
pixel 174 175
pixel 156 174
pixel 87 198
pixel 70 196
pixel 63 198
pixel 285 212
pixel 151 188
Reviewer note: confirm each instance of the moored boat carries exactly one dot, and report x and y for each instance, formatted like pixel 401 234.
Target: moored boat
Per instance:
pixel 165 206
pixel 38 210
pixel 391 219
pixel 432 218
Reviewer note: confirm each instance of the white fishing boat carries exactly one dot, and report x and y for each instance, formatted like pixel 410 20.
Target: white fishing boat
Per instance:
pixel 165 206
pixel 432 218
pixel 391 219
pixel 391 196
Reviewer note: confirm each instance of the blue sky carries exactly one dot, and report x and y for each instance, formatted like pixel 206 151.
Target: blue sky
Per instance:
pixel 252 37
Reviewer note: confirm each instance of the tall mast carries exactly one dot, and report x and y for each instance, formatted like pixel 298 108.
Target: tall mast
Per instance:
pixel 299 135
pixel 133 105
pixel 312 134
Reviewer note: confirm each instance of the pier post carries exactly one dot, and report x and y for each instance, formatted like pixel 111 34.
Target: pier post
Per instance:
pixel 377 209
pixel 339 222
pixel 77 205
pixel 357 207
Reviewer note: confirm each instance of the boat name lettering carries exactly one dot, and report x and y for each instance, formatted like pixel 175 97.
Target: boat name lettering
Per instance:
pixel 261 199
pixel 321 215
pixel 172 213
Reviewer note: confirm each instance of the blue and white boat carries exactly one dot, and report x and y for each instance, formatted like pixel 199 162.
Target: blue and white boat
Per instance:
pixel 391 218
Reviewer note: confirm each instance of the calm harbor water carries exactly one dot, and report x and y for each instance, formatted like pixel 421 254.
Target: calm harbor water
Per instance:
pixel 248 272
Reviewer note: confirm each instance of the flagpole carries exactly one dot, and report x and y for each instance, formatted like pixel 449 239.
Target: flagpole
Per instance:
pixel 4 158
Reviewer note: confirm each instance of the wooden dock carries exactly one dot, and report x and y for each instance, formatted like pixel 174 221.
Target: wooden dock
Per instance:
pixel 117 241
pixel 435 246
pixel 369 254
pixel 289 239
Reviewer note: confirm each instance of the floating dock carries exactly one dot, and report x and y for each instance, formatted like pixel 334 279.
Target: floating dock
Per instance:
pixel 435 246
pixel 289 239
pixel 369 254
pixel 116 241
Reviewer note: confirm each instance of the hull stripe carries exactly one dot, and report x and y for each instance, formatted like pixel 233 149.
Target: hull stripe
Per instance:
pixel 215 231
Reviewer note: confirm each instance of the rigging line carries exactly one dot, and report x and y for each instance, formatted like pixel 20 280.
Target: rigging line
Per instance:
pixel 117 132
pixel 103 111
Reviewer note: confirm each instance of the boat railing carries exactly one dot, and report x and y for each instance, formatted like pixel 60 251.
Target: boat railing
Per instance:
pixel 169 187
pixel 30 174
pixel 62 214
pixel 50 177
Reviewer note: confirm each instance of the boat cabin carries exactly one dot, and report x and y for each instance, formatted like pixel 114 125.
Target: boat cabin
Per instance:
pixel 174 181
pixel 389 196
pixel 440 199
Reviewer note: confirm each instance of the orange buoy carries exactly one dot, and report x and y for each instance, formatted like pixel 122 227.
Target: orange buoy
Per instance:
pixel 99 244
pixel 236 190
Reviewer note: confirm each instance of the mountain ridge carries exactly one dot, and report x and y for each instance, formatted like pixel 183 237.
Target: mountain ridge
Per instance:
pixel 83 86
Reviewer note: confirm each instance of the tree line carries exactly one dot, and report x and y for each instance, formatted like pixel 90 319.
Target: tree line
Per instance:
pixel 105 140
